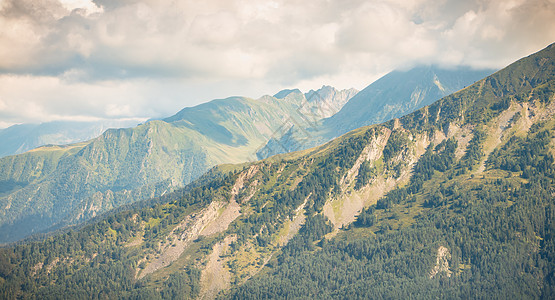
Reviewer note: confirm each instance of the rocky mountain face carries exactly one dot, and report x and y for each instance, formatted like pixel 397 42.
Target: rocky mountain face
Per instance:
pixel 396 94
pixel 319 104
pixel 326 101
pixel 452 200
pixel 21 138
pixel 55 186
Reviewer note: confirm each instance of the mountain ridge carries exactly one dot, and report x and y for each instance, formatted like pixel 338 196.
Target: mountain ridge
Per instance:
pixel 395 94
pixel 63 187
pixel 24 137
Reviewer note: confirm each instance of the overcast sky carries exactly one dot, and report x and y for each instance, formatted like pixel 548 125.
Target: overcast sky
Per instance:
pixel 90 60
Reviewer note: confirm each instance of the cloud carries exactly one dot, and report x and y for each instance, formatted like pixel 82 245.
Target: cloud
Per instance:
pixel 278 40
pixel 33 99
pixel 128 50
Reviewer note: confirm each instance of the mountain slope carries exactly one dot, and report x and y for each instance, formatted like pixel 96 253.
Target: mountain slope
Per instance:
pixel 51 187
pixel 17 139
pixel 452 201
pixel 399 93
pixel 394 95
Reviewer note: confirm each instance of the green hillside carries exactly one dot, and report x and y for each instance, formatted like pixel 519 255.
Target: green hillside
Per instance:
pixel 52 187
pixel 21 138
pixel 452 201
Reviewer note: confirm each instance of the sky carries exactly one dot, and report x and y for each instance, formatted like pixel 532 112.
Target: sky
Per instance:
pixel 86 60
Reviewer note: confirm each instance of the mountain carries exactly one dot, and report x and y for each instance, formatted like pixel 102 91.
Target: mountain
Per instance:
pixel 395 94
pixel 328 101
pixel 20 138
pixel 399 93
pixel 55 186
pixel 454 200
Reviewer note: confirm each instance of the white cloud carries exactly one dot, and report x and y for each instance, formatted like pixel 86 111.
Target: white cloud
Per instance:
pixel 32 99
pixel 130 53
pixel 85 7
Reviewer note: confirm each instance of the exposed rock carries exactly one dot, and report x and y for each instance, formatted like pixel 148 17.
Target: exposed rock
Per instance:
pixel 215 276
pixel 442 262
pixel 180 237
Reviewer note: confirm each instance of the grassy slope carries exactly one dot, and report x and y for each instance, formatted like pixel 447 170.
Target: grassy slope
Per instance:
pixel 126 165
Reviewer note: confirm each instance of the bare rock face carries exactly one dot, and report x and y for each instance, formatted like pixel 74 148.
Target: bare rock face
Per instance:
pixel 442 263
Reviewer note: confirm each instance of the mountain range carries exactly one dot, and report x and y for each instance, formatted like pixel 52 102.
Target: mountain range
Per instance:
pixel 55 186
pixel 454 200
pixel 395 94
pixel 59 185
pixel 21 138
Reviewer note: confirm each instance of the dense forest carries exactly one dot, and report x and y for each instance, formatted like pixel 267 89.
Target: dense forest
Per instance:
pixel 499 231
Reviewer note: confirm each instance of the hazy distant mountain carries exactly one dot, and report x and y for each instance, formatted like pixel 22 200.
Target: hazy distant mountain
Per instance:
pixel 320 104
pixel 394 95
pixel 326 101
pixel 53 186
pixel 24 137
pixel 399 93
